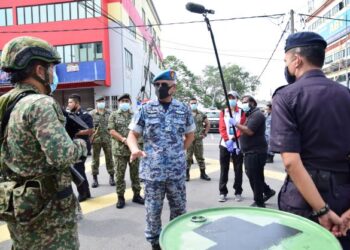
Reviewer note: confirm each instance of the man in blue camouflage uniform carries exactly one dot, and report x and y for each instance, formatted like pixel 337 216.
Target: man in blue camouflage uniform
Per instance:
pixel 36 152
pixel 164 124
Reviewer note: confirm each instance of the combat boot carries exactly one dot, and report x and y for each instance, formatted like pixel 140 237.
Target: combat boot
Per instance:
pixel 111 180
pixel 204 176
pixel 138 199
pixel 95 181
pixel 187 174
pixel 121 202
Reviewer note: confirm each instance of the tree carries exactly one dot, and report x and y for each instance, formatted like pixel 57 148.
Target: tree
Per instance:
pixel 235 79
pixel 187 83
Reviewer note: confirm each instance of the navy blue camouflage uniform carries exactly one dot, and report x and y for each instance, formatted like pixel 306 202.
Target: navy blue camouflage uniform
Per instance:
pixel 163 169
pixel 312 117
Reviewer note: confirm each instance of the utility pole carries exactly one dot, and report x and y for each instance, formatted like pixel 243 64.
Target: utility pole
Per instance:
pixel 292 21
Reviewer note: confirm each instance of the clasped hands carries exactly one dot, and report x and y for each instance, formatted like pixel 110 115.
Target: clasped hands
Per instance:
pixel 335 224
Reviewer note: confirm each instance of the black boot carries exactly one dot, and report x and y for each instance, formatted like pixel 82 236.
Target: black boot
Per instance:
pixel 204 176
pixel 121 202
pixel 269 159
pixel 187 174
pixel 138 199
pixel 156 246
pixel 111 180
pixel 95 181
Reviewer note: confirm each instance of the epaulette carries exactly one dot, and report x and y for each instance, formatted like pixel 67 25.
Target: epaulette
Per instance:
pixel 279 88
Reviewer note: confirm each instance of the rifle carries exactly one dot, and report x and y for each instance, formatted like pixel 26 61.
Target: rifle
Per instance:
pixel 73 125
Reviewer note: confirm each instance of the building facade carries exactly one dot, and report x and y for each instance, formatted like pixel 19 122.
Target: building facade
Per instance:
pixel 108 47
pixel 329 19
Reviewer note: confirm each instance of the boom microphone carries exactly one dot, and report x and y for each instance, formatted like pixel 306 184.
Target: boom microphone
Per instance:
pixel 197 8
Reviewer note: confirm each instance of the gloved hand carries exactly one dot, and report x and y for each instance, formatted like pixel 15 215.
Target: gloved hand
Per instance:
pixel 237 150
pixel 229 145
pixel 232 121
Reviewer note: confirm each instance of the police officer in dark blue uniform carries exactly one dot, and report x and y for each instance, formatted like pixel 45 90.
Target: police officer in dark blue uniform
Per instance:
pixel 74 101
pixel 310 128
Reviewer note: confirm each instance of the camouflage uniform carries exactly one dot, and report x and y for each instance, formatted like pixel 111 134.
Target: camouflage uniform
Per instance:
pixel 119 121
pixel 196 147
pixel 37 138
pixel 163 170
pixel 101 139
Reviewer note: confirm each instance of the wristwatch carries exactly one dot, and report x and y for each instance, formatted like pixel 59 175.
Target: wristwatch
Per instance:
pixel 321 212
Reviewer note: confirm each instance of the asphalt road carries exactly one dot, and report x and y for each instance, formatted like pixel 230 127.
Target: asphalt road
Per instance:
pixel 106 228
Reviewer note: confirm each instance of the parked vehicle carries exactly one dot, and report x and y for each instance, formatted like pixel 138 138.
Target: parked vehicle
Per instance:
pixel 213 117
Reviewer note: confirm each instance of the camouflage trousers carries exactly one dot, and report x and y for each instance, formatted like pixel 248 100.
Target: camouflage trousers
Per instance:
pixel 107 149
pixel 121 162
pixel 196 148
pixel 55 229
pixel 155 191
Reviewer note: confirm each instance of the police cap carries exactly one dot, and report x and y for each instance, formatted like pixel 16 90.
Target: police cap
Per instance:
pixel 123 96
pixel 167 75
pixel 303 39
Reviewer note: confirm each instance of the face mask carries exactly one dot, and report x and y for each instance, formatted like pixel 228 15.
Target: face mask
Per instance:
pixel 53 85
pixel 232 103
pixel 289 78
pixel 101 105
pixel 124 106
pixel 163 91
pixel 194 106
pixel 245 107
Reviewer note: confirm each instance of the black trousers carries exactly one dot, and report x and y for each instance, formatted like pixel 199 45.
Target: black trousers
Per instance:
pixel 83 189
pixel 254 167
pixel 225 158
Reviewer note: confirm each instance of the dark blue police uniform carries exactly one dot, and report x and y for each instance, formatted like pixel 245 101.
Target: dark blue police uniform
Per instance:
pixel 312 117
pixel 83 189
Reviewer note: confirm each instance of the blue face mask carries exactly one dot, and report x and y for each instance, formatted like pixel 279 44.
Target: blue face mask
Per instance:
pixel 245 107
pixel 53 85
pixel 232 103
pixel 124 106
pixel 194 106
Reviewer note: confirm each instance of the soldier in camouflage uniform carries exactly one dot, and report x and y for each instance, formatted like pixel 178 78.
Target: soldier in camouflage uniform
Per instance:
pixel 163 124
pixel 118 126
pixel 196 148
pixel 101 139
pixel 36 151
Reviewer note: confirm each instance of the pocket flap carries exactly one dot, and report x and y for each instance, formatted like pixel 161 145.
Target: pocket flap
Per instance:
pixel 6 189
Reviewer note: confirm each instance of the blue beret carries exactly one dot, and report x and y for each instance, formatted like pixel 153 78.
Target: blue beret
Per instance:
pixel 169 75
pixel 302 39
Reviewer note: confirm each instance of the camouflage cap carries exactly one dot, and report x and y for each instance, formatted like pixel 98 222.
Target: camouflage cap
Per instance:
pixel 18 52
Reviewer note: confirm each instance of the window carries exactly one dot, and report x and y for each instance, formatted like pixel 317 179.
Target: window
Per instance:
pixel 90 51
pixel 89 8
pixel 132 28
pixel 2 17
pixel 20 16
pixel 60 51
pixel 97 8
pixel 128 60
pixel 114 102
pixel 58 9
pixel 81 10
pixel 74 10
pixel 75 53
pixel 143 16
pixel 51 13
pixel 8 17
pixel 36 15
pixel 28 15
pixel 83 52
pixel 67 53
pixel 98 47
pixel 43 13
pixel 66 11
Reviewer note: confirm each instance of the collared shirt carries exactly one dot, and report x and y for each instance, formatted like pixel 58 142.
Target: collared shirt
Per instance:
pixel 100 121
pixel 312 117
pixel 163 133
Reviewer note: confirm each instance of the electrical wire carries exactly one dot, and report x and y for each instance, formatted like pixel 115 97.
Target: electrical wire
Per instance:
pixel 273 52
pixel 323 17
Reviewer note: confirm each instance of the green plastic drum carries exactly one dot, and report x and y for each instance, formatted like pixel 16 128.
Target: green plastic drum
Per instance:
pixel 245 228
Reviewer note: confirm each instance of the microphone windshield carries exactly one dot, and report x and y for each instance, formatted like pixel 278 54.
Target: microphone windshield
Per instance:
pixel 196 8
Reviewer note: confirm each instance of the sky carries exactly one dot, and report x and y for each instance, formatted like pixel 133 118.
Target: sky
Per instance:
pixel 248 43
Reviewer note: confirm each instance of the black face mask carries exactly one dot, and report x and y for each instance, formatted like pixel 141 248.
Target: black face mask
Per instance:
pixel 162 92
pixel 289 78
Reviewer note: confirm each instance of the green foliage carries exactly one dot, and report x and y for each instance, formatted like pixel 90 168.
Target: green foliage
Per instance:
pixel 209 91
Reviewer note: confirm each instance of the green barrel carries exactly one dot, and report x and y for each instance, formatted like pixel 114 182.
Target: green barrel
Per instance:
pixel 245 228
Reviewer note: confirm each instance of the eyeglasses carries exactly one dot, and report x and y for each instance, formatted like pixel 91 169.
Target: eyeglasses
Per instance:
pixel 158 84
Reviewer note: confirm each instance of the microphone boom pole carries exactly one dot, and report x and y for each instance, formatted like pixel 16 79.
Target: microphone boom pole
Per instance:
pixel 196 8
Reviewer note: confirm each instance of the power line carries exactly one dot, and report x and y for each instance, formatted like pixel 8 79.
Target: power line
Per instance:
pixel 323 17
pixel 273 52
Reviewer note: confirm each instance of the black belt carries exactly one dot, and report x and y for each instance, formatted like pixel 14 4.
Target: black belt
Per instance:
pixel 339 178
pixel 64 193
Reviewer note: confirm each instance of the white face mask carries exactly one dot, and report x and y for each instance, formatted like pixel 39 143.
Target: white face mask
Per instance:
pixel 101 105
pixel 245 107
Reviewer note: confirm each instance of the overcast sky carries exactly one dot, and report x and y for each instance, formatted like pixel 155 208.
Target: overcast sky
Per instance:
pixel 248 43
